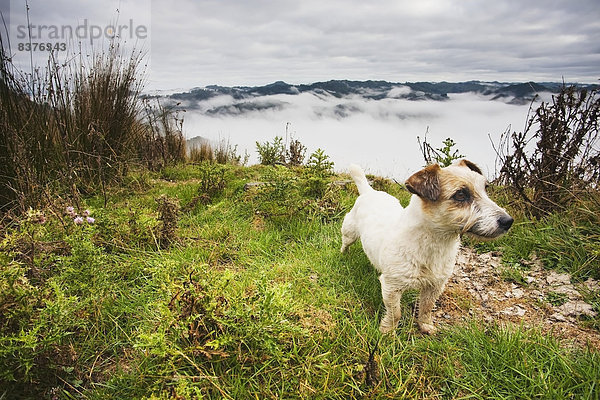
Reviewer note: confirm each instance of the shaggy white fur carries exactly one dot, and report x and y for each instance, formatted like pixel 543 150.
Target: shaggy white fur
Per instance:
pixel 416 246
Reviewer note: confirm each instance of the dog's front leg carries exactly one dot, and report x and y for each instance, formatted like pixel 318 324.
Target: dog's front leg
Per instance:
pixel 393 310
pixel 427 299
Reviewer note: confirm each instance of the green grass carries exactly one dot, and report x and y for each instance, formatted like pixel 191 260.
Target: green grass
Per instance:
pixel 250 302
pixel 568 241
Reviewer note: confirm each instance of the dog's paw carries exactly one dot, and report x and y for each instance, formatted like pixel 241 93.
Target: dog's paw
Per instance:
pixel 387 328
pixel 427 329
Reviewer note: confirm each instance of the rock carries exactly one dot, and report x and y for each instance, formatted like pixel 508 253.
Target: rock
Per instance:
pixel 558 317
pixel 592 284
pixel 518 293
pixel 556 279
pixel 537 294
pixel 515 310
pixel 576 308
pixel 343 183
pixel 529 280
pixel 568 290
pixel 251 185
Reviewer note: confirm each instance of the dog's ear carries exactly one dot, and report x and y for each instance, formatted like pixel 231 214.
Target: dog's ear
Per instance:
pixel 470 165
pixel 425 183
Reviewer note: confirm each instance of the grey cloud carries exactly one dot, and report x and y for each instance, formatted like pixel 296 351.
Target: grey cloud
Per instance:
pixel 240 42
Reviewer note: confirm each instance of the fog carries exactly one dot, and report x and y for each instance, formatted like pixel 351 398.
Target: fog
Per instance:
pixel 380 135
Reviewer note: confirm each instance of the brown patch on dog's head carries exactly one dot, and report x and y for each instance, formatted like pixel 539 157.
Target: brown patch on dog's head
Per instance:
pixel 454 200
pixel 470 165
pixel 425 183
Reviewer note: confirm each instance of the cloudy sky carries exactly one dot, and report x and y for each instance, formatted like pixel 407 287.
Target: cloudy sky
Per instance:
pixel 235 42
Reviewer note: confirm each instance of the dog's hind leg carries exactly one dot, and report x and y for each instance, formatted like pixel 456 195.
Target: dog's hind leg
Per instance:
pixel 349 232
pixel 393 309
pixel 427 299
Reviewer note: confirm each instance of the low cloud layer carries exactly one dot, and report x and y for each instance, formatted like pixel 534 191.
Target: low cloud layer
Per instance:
pixel 381 135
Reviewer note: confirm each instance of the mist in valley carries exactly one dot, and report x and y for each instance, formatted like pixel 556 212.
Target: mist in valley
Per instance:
pixel 378 134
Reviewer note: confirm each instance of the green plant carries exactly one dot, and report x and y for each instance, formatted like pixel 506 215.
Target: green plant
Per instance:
pixel 212 183
pixel 317 171
pixel 512 273
pixel 271 153
pixel 244 310
pixel 280 195
pixel 319 164
pixel 556 299
pixel 444 156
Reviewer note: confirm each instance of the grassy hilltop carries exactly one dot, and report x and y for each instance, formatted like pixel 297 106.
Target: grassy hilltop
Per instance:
pixel 188 285
pixel 131 268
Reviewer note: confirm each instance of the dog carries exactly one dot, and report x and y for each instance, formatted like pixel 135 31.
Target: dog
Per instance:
pixel 416 247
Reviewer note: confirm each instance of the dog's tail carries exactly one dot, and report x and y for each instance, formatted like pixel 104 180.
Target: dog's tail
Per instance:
pixel 358 175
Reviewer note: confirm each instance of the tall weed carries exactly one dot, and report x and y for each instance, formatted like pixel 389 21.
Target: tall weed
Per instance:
pixel 78 127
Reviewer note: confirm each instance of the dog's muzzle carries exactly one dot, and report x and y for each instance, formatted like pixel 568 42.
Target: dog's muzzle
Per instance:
pixel 505 222
pixel 492 228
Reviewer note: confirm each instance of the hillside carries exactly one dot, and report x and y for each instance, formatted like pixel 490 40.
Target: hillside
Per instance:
pixel 190 283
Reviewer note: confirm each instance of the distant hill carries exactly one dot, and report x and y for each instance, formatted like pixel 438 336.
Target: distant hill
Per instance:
pixel 197 142
pixel 256 98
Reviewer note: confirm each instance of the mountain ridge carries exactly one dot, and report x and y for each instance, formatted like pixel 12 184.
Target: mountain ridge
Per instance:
pixel 255 98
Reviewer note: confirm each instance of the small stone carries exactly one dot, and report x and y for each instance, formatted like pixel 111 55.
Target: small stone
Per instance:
pixel 529 280
pixel 250 185
pixel 538 294
pixel 518 293
pixel 515 311
pixel 577 308
pixel 558 317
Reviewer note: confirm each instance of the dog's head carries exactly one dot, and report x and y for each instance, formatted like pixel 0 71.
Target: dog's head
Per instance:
pixel 455 200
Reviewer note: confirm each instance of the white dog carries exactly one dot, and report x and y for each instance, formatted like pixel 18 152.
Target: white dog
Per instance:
pixel 416 247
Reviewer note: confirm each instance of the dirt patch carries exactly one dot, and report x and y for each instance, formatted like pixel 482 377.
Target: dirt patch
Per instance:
pixel 482 287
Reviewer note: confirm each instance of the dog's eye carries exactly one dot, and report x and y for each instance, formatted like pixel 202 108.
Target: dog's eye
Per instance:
pixel 461 196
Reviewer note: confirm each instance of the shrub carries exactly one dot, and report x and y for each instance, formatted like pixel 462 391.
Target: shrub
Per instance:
pixel 444 156
pixel 202 153
pixel 76 127
pixel 227 154
pixel 295 153
pixel 318 169
pixel 565 160
pixel 319 164
pixel 280 195
pixel 271 153
pixel 162 141
pixel 212 183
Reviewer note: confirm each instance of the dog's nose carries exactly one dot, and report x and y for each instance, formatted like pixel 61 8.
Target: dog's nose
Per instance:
pixel 505 222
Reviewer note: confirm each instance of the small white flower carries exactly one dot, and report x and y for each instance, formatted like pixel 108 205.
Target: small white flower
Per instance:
pixel 78 221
